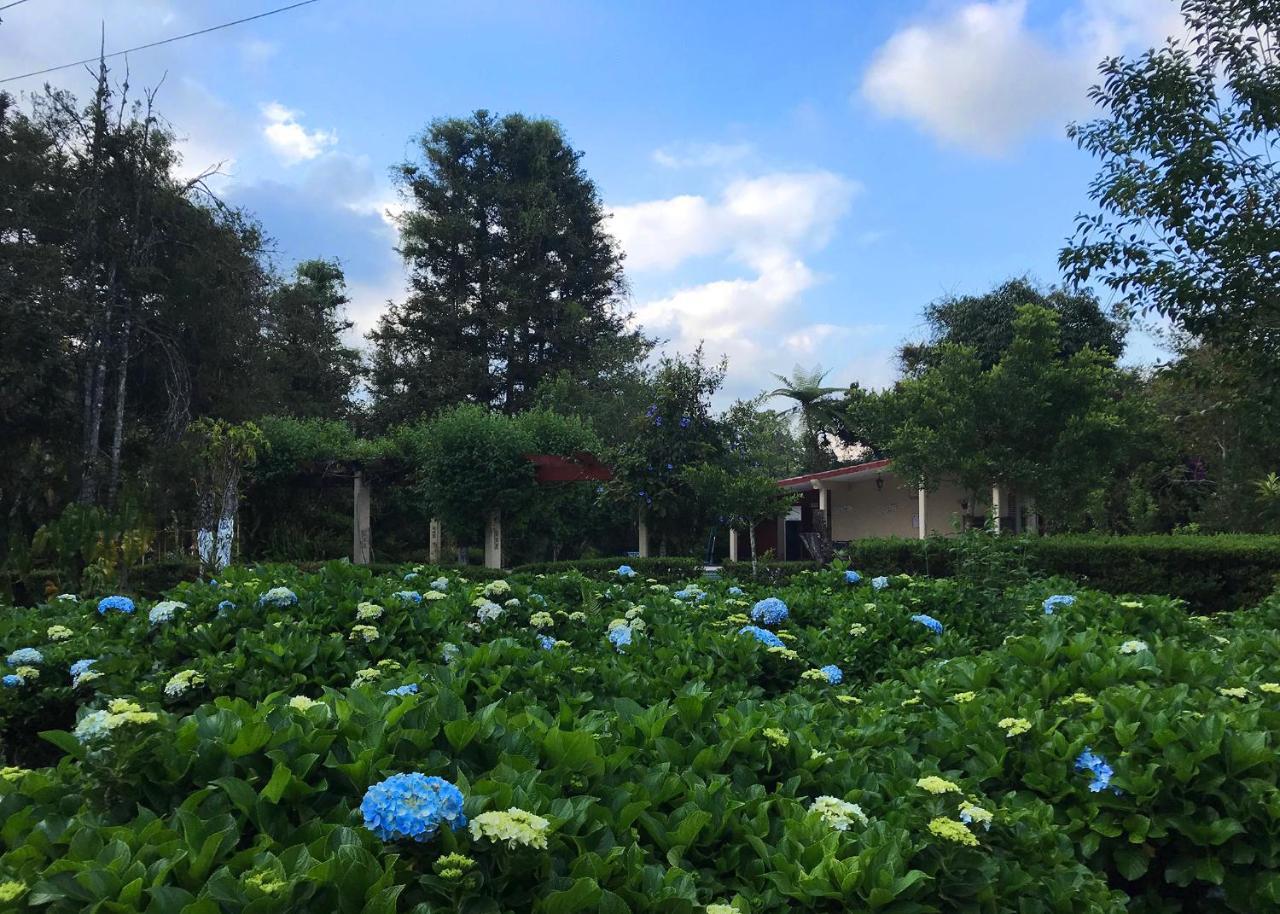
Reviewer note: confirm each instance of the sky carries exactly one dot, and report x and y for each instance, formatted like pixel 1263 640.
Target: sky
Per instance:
pixel 791 183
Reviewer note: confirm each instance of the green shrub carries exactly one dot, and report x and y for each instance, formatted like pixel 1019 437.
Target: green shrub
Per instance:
pixel 1209 572
pixel 678 772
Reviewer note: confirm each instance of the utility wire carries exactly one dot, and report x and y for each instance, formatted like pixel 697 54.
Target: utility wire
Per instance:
pixel 153 44
pixel 14 3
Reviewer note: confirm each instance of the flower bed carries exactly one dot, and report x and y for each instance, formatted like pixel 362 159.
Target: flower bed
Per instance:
pixel 345 741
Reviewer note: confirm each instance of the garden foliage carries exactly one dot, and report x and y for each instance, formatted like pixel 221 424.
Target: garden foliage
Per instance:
pixel 912 746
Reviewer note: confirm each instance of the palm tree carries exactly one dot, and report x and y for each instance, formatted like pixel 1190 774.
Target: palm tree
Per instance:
pixel 814 407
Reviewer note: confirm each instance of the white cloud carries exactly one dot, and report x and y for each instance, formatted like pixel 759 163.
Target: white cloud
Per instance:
pixel 751 215
pixel 757 231
pixel 289 139
pixel 982 77
pixel 702 155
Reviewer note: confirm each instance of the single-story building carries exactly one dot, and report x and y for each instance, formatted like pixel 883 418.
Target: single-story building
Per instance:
pixel 870 500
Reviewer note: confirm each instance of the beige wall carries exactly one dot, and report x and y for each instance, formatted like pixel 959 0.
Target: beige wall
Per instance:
pixel 859 509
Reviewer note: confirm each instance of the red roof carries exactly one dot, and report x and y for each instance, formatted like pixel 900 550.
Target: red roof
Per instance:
pixel 837 473
pixel 574 468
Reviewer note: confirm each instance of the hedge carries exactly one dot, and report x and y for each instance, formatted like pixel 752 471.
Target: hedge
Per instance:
pixel 1215 573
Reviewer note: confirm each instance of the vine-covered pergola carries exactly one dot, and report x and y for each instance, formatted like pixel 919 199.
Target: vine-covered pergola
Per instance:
pixel 364 475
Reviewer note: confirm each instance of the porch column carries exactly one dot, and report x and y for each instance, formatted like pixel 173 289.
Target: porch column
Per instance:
pixel 433 541
pixel 642 547
pixel 824 505
pixel 493 540
pixel 922 502
pixel 1033 519
pixel 995 508
pixel 733 544
pixel 362 540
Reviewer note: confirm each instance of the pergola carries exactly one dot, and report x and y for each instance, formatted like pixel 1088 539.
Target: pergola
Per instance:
pixel 548 469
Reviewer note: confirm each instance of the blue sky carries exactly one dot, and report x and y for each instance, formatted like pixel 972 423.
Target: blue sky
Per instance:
pixel 792 182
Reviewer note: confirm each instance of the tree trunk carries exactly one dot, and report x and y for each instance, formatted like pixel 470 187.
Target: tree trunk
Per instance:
pixel 752 535
pixel 117 433
pixel 228 506
pixel 95 400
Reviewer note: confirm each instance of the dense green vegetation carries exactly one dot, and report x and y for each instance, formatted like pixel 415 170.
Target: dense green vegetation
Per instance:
pixel 676 766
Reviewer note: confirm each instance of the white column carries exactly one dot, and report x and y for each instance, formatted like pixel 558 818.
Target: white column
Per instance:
pixel 433 543
pixel 922 502
pixel 493 540
pixel 824 505
pixel 362 539
pixel 733 544
pixel 642 532
pixel 1033 519
pixel 995 508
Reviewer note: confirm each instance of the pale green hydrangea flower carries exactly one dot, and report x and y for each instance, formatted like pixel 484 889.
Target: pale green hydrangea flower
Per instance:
pixel 515 826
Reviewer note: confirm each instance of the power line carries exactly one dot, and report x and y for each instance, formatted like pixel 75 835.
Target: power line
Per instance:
pixel 154 44
pixel 14 3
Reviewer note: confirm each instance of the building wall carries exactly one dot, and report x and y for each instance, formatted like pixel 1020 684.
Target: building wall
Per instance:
pixel 860 510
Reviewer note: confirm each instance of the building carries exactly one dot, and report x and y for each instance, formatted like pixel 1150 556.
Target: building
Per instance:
pixel 838 506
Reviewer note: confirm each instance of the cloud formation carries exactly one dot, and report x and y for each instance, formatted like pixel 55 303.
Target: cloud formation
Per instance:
pixel 759 231
pixel 983 78
pixel 291 141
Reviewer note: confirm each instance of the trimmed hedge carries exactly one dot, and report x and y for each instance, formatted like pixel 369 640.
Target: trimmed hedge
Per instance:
pixel 664 568
pixel 1220 572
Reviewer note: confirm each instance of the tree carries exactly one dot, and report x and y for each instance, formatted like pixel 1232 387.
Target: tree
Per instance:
pixel 739 496
pixel 985 323
pixel 470 461
pixel 224 451
pixel 676 430
pixel 514 277
pixel 815 411
pixel 311 371
pixel 1051 428
pixel 762 440
pixel 1188 224
pixel 563 513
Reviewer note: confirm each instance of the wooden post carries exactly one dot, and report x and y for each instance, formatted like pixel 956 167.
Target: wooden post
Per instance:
pixel 922 503
pixel 493 540
pixel 362 540
pixel 433 544
pixel 733 544
pixel 995 509
pixel 642 548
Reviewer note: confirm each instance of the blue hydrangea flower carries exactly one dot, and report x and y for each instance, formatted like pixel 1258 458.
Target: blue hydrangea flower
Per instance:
pixel 1058 599
pixel 763 635
pixel 412 806
pixel 449 652
pixel 852 577
pixel 620 637
pixel 279 597
pixel 1097 766
pixel 12 681
pixel 537 599
pixel 834 674
pixel 79 668
pixel 546 642
pixel 880 583
pixel 407 596
pixel 411 576
pixel 735 591
pixel 626 571
pixel 118 603
pixel 928 622
pixel 225 607
pixel 769 611
pixel 399 691
pixel 440 584
pixel 26 656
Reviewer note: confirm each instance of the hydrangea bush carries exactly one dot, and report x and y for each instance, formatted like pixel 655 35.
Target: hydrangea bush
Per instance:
pixel 847 756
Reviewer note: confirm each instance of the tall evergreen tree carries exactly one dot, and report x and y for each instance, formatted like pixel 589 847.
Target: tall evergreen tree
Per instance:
pixel 312 372
pixel 514 277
